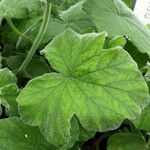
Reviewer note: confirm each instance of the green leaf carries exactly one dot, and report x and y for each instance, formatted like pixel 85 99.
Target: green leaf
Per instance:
pixel 8 91
pixel 117 41
pixel 127 141
pixel 19 8
pixel 116 18
pixel 100 86
pixel 16 135
pixel 76 19
pixel 142 122
pixel 8 97
pixel 6 77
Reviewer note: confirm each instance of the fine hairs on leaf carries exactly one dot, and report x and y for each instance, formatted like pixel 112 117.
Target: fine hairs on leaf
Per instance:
pixel 74 75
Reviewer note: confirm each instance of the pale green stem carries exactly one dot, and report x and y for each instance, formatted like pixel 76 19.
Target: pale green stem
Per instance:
pixel 36 43
pixel 21 38
pixel 16 30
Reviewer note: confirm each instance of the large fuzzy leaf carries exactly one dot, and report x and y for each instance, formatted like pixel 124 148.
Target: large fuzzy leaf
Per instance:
pixel 15 135
pixel 100 86
pixel 127 141
pixel 116 18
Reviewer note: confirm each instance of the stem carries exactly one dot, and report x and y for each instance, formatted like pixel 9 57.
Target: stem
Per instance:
pixel 16 30
pixel 21 38
pixel 46 18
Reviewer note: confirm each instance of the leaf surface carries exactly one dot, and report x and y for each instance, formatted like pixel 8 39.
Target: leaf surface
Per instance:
pixel 100 86
pixel 126 141
pixel 116 18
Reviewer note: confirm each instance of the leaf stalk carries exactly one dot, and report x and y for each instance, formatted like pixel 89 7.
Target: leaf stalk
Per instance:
pixel 10 23
pixel 40 35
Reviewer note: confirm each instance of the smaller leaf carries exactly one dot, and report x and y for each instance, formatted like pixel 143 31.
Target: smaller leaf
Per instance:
pixel 6 78
pixel 126 141
pixel 142 122
pixel 117 41
pixel 8 91
pixel 17 136
pixel 114 17
pixel 77 19
pixel 19 8
pixel 8 97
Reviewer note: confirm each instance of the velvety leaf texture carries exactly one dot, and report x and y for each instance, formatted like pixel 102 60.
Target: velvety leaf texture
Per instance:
pixel 116 18
pixel 16 135
pixel 127 141
pixel 100 86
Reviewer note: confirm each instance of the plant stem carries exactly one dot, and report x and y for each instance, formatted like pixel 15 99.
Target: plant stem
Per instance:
pixel 16 30
pixel 46 18
pixel 21 38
